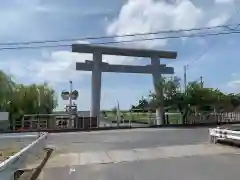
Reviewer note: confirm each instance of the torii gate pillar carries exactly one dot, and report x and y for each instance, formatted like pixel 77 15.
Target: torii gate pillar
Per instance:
pixel 96 85
pixel 157 77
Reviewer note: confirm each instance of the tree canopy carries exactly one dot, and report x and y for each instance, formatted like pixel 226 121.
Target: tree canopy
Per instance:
pixel 195 96
pixel 19 99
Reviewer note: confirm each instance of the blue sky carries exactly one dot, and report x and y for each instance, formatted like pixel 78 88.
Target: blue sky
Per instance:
pixel 33 20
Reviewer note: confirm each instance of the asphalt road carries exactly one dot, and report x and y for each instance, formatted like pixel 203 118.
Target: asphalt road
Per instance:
pixel 142 154
pixel 16 140
pixel 125 139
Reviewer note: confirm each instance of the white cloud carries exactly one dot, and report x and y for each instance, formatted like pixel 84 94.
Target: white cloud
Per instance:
pixel 14 68
pixel 234 83
pixel 82 42
pixel 224 1
pixel 143 16
pixel 55 67
pixel 61 67
pixel 218 20
pixel 233 86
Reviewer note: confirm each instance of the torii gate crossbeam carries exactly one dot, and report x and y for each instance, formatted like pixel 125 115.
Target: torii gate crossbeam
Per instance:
pixel 97 67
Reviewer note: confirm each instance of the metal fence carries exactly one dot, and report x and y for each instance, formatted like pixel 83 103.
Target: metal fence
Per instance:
pixel 177 118
pixel 56 122
pixel 213 118
pixel 128 120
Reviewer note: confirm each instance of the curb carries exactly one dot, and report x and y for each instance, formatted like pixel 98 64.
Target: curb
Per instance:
pixel 18 175
pixel 41 166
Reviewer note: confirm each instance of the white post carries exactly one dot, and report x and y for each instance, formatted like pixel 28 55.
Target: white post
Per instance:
pixel 96 85
pixel 158 90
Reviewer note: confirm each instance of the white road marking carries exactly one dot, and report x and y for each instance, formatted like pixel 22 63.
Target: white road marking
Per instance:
pixel 71 170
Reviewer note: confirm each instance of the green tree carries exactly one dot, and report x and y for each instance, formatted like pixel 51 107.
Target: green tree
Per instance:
pixel 171 92
pixel 114 110
pixel 19 99
pixel 194 99
pixel 6 89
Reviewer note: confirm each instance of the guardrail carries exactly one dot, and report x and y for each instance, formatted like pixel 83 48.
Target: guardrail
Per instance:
pixel 21 158
pixel 218 133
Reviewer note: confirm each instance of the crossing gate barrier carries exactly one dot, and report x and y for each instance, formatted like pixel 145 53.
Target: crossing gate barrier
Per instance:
pixel 218 133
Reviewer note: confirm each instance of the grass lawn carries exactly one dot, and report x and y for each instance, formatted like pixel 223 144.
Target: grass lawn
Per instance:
pixel 143 117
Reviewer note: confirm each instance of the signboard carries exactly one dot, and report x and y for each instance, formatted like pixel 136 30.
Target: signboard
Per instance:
pixel 66 95
pixel 74 95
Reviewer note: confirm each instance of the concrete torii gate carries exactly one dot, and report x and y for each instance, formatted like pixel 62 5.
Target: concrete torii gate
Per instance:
pixel 97 67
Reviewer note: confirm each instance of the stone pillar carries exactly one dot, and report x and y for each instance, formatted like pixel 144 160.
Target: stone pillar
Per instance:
pixel 155 62
pixel 96 85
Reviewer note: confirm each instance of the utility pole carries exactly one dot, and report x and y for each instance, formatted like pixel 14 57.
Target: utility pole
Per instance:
pixel 118 113
pixel 185 77
pixel 71 119
pixel 70 97
pixel 201 81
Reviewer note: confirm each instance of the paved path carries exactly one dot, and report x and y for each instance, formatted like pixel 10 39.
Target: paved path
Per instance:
pixel 142 154
pixel 119 156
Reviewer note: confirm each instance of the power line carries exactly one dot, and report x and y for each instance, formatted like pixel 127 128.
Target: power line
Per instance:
pixel 126 41
pixel 233 28
pixel 172 37
pixel 228 27
pixel 210 45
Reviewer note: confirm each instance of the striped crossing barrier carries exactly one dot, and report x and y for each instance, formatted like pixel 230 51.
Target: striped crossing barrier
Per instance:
pixel 218 133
